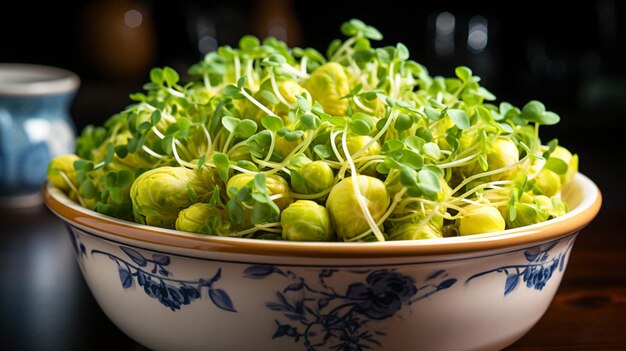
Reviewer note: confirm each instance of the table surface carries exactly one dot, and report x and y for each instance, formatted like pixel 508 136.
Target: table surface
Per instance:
pixel 46 305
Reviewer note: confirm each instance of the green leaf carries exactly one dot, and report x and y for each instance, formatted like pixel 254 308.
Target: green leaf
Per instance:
pixel 533 111
pixel 556 165
pixel 429 183
pixel 259 143
pixel 411 159
pixel 272 123
pixel 303 103
pixel 235 212
pixel 408 176
pixel 144 126
pixel 88 189
pixel 322 151
pixel 372 33
pixel 392 145
pixel 109 153
pixel 360 127
pixel 354 91
pixel 293 135
pixel 124 178
pixel 431 150
pixel 403 122
pixel 249 42
pixel 246 128
pixel 269 97
pixel 166 144
pixel 231 90
pixel 264 212
pixel 310 121
pixel 414 143
pixel 230 123
pixel 155 117
pixel 156 76
pixel 459 117
pixel 259 182
pixel 464 73
pixel 117 195
pixel 170 76
pixel 121 151
pixel 485 94
pixel 191 193
pixel 402 52
pixel 432 113
pixel 247 165
pixel 549 118
pixel 222 164
pixel 241 82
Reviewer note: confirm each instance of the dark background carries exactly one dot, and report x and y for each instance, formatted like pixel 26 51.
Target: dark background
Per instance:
pixel 567 56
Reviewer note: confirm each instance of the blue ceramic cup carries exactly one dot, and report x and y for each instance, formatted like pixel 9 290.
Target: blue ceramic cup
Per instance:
pixel 35 126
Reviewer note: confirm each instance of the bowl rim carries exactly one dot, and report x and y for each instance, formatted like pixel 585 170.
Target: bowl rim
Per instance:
pixel 144 235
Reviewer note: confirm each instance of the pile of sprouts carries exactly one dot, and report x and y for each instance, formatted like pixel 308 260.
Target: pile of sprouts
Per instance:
pixel 361 144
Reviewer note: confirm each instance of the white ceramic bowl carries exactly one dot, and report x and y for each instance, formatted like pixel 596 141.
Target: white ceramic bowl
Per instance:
pixel 171 290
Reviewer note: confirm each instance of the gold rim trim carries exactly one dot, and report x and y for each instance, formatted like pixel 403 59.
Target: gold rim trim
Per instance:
pixel 575 220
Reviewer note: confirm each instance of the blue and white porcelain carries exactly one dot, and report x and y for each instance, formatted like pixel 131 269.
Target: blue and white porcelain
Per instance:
pixel 171 290
pixel 35 125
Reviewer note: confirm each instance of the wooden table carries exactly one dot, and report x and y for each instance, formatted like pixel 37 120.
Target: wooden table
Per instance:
pixel 46 305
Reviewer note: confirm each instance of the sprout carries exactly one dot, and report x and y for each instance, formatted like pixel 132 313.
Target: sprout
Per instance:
pixel 547 183
pixel 305 220
pixel 391 150
pixel 275 96
pixel 526 214
pixel 276 186
pixel 343 204
pixel 415 230
pixel 570 160
pixel 159 194
pixel 328 84
pixel 358 142
pixel 310 177
pixel 483 219
pixel 283 147
pixel 201 218
pixel 61 172
pixel 503 153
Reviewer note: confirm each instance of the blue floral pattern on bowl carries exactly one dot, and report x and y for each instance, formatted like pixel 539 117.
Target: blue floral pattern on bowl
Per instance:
pixel 159 284
pixel 542 263
pixel 321 317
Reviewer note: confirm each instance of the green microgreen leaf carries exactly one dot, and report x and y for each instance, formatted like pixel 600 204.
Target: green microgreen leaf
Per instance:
pixel 310 121
pixel 155 117
pixel 222 164
pixel 170 76
pixel 556 165
pixel 303 103
pixel 109 153
pixel 392 145
pixel 246 128
pixel 230 123
pixel 272 123
pixel 269 97
pixel 403 122
pixel 322 151
pixel 360 127
pixel 459 117
pixel 249 42
pixel 464 73
pixel 231 90
pixel 121 151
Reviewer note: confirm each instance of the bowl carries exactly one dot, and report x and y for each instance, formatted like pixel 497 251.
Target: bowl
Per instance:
pixel 171 290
